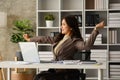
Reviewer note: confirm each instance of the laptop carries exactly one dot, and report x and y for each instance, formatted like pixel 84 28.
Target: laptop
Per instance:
pixel 30 53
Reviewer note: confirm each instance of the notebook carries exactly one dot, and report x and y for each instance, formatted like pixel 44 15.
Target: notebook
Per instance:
pixel 30 53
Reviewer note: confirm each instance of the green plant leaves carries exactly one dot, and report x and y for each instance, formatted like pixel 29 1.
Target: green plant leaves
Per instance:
pixel 49 17
pixel 21 27
pixel 17 37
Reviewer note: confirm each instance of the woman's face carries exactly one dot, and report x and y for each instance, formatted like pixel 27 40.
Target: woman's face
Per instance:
pixel 65 29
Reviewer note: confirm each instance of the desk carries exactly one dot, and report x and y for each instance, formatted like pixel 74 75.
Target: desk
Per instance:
pixel 99 67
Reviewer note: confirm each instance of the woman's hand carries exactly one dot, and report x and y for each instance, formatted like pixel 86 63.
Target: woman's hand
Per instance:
pixel 26 37
pixel 99 25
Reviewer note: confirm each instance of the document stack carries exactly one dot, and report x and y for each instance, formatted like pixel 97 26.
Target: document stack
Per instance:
pixel 44 55
pixel 114 19
pixel 100 4
pixel 113 36
pixel 98 39
pixel 89 62
pixel 99 54
pixel 115 6
pixel 114 70
pixel 115 56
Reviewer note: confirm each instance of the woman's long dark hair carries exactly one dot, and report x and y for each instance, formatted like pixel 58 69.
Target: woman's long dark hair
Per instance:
pixel 72 22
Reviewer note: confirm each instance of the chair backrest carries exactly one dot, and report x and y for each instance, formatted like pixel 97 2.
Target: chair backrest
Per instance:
pixel 84 55
pixel 19 56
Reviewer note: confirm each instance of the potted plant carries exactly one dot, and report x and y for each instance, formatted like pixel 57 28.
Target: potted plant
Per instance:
pixel 49 18
pixel 21 27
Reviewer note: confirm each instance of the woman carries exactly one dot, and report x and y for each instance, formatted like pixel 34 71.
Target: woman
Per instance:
pixel 65 45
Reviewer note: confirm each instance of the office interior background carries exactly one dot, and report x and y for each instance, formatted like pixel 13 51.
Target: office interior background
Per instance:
pixel 16 10
pixel 106 9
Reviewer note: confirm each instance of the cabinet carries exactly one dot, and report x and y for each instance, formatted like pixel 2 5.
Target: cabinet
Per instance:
pixel 89 13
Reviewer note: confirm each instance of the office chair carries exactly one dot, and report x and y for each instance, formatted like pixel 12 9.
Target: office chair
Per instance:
pixel 83 56
pixel 19 56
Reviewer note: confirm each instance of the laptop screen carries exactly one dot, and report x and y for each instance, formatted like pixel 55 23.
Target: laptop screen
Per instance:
pixel 29 51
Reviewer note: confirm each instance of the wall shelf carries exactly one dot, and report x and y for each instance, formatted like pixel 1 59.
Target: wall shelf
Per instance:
pixel 87 9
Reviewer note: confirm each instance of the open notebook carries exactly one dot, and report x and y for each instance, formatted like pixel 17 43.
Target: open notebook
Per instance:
pixel 30 53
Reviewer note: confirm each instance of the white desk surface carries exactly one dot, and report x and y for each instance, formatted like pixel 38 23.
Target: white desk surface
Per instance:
pixel 12 64
pixel 8 64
